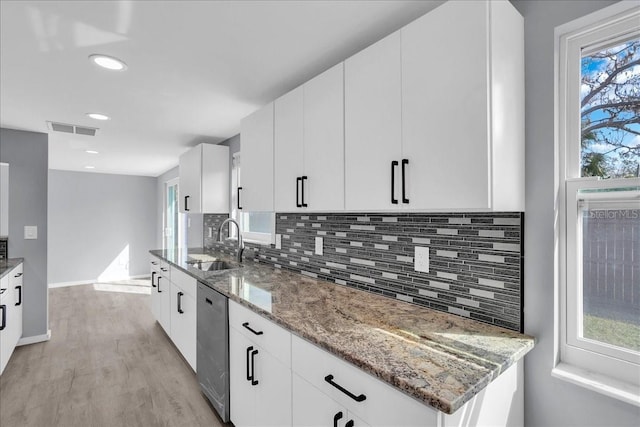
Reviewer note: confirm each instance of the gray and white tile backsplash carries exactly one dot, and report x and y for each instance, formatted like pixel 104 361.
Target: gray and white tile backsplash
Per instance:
pixel 475 259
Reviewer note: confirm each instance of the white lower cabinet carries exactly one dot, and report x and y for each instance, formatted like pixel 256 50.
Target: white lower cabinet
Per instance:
pixel 173 304
pixel 312 408
pixel 10 314
pixel 260 380
pixel 184 323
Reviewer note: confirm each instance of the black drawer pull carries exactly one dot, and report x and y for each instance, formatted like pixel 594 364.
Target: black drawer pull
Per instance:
pixel 19 288
pixel 208 301
pixel 3 307
pixel 154 263
pixel 349 423
pixel 246 325
pixel 404 198
pixel 186 203
pixel 303 179
pixel 159 277
pixel 254 381
pixel 394 163
pixel 249 376
pixel 18 275
pixel 180 310
pixel 337 417
pixel 163 269
pixel 238 198
pixel 329 379
pixel 298 180
pixel 153 277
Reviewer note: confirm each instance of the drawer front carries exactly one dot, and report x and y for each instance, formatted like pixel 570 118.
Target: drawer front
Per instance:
pixel 271 337
pixel 154 262
pixel 382 405
pixel 187 283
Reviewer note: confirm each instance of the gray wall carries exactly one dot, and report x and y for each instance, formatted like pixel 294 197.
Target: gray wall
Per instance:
pixel 93 217
pixel 28 156
pixel 549 401
pixel 160 182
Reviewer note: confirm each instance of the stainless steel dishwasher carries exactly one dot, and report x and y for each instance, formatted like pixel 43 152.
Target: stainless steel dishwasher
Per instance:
pixel 213 348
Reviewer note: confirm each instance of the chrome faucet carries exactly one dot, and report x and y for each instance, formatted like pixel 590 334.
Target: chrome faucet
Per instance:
pixel 240 243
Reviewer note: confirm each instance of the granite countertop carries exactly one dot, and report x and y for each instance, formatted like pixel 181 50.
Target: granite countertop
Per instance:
pixel 6 265
pixel 439 358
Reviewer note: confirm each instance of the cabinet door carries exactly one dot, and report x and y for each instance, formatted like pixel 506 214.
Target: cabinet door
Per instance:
pixel 4 199
pixel 155 295
pixel 6 300
pixel 183 323
pixel 15 283
pixel 163 288
pixel 312 408
pixel 324 140
pixel 190 181
pixel 242 395
pixel 273 390
pixel 445 107
pixel 288 145
pixel 256 139
pixel 215 178
pixel 373 130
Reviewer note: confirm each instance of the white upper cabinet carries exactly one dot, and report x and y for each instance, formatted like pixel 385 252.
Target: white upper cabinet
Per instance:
pixel 204 179
pixel 373 129
pixel 324 141
pixel 256 139
pixel 289 142
pixel 309 145
pixel 462 108
pixel 4 199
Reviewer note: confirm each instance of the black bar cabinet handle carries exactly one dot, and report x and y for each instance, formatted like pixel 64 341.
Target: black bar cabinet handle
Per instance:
pixel 163 269
pixel 404 163
pixel 393 182
pixel 329 379
pixel 249 376
pixel 154 263
pixel 186 205
pixel 238 198
pixel 246 325
pixel 208 301
pixel 337 417
pixel 19 288
pixel 18 275
pixel 254 381
pixel 304 205
pixel 3 307
pixel 298 179
pixel 180 310
pixel 159 277
pixel 349 423
pixel 153 276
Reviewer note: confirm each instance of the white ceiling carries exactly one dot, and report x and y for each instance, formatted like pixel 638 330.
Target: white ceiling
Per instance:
pixel 195 68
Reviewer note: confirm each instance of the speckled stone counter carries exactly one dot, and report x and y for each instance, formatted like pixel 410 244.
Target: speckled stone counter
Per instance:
pixel 439 358
pixel 6 265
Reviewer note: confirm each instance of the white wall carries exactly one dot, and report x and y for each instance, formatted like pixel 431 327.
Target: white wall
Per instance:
pixel 28 156
pixel 549 401
pixel 100 225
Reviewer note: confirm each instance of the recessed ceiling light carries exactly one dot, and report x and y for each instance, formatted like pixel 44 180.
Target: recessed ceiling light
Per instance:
pixel 98 116
pixel 91 152
pixel 89 167
pixel 108 62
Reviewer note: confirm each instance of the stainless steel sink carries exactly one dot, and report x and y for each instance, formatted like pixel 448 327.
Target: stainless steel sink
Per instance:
pixel 213 265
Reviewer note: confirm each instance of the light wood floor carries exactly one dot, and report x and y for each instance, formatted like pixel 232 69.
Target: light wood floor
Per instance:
pixel 108 363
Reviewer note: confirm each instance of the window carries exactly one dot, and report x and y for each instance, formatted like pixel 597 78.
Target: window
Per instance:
pixel 598 128
pixel 256 226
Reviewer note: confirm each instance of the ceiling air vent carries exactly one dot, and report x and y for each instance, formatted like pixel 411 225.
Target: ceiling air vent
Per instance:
pixel 67 128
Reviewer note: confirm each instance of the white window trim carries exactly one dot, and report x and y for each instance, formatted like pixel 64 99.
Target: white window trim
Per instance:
pixel 581 366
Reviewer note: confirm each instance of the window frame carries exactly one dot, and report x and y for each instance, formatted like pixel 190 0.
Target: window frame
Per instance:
pixel 581 361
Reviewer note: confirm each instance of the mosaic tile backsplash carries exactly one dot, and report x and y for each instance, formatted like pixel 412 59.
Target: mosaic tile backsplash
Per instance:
pixel 475 259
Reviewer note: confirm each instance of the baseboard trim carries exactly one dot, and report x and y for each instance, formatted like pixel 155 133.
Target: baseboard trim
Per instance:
pixel 91 281
pixel 34 339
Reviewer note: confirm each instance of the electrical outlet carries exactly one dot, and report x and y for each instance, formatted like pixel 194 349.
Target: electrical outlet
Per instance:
pixel 319 245
pixel 30 232
pixel 278 241
pixel 421 259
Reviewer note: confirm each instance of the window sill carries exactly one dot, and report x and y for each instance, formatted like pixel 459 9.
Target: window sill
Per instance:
pixel 619 390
